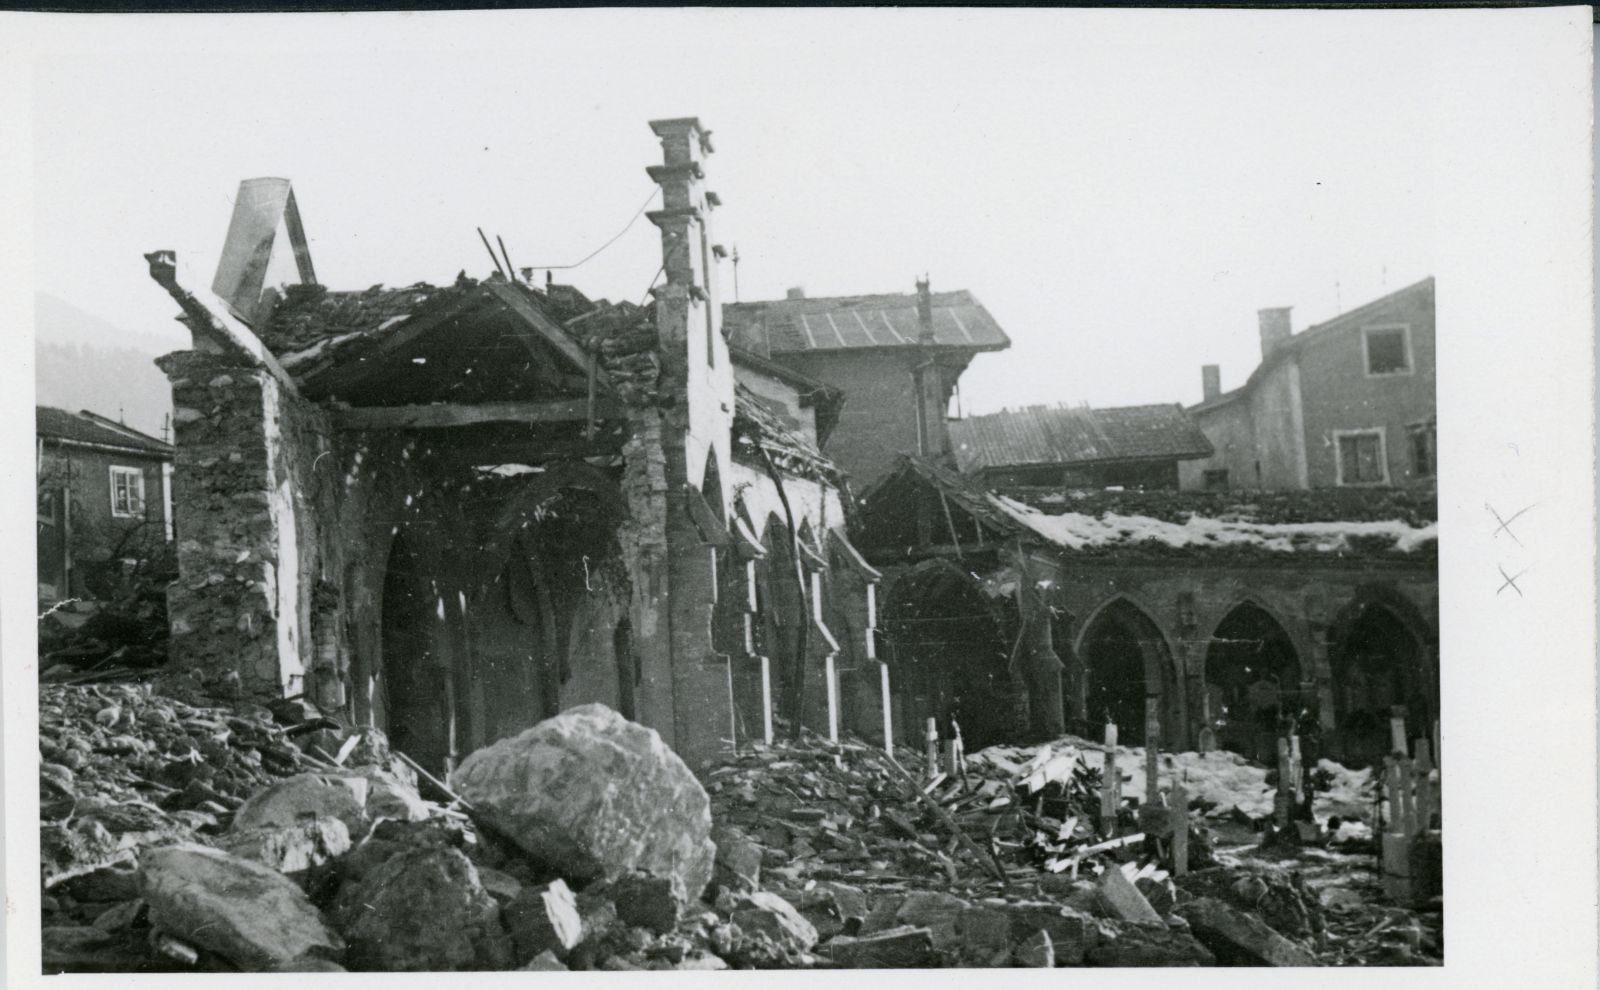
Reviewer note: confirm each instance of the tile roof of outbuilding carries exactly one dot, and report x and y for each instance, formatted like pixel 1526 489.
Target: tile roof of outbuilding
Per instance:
pixel 1068 435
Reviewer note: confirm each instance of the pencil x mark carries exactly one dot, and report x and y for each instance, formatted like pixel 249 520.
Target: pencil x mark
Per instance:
pixel 1511 580
pixel 1505 524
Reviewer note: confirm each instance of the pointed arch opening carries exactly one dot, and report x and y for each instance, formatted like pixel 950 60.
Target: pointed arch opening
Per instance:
pixel 783 617
pixel 1252 679
pixel 1128 660
pixel 416 708
pixel 951 656
pixel 1380 670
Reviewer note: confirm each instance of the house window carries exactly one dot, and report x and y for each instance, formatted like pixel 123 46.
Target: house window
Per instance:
pixel 1361 457
pixel 1216 481
pixel 127 492
pixel 1388 350
pixel 1424 449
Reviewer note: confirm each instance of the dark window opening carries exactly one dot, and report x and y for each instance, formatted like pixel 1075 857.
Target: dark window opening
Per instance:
pixel 1387 353
pixel 1424 454
pixel 1216 481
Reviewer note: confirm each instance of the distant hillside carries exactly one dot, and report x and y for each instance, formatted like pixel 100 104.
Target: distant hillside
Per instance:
pixel 85 362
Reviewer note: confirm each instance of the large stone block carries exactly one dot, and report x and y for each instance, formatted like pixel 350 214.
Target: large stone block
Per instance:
pixel 291 849
pixel 594 796
pixel 1238 937
pixel 245 912
pixel 771 915
pixel 308 795
pixel 422 910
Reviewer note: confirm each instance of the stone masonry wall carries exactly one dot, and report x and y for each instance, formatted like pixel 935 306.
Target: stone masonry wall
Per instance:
pixel 249 544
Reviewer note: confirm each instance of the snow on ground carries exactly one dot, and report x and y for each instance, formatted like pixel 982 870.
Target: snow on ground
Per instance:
pixel 1225 779
pixel 1076 530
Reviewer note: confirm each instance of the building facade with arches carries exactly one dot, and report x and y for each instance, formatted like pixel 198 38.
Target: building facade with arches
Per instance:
pixel 1232 613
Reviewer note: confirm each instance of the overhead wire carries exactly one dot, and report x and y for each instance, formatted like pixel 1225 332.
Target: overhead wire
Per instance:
pixel 616 237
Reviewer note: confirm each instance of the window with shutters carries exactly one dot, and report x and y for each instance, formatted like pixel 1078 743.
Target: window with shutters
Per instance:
pixel 1362 460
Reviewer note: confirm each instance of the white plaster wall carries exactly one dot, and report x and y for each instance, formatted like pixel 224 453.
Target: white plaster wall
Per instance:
pixel 811 501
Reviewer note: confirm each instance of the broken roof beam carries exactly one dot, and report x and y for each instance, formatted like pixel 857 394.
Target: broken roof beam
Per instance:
pixel 553 335
pixel 210 322
pixel 445 415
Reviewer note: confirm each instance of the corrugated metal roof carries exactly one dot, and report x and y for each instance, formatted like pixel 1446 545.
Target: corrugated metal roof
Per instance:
pixel 1067 435
pixel 849 322
pixel 86 427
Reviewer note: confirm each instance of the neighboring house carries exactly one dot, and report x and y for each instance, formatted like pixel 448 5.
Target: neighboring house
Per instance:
pixel 896 357
pixel 1063 446
pixel 1346 403
pixel 102 486
pixel 453 511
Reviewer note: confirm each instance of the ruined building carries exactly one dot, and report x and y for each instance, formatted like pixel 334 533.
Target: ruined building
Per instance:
pixel 451 511
pixel 1027 611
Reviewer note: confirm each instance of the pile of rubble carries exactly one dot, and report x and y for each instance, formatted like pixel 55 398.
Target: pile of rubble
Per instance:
pixel 87 641
pixel 189 838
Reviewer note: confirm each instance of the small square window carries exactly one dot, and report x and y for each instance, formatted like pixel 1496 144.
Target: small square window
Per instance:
pixel 127 492
pixel 1216 481
pixel 1388 351
pixel 1361 458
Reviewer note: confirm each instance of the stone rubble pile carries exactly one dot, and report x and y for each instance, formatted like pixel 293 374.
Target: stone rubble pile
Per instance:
pixel 203 839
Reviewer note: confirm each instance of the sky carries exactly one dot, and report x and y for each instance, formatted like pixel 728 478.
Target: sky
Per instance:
pixel 1122 190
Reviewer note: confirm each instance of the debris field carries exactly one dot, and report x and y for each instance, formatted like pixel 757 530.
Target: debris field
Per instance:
pixel 184 832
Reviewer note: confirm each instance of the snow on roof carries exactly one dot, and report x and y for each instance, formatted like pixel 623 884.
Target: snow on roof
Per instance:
pixel 1075 530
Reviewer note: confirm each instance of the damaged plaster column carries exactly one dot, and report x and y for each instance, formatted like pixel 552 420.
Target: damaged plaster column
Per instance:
pixel 683 689
pixel 242 601
pixel 1042 668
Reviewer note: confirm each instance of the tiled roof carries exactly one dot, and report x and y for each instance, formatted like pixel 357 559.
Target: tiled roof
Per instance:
pixel 756 429
pixel 86 427
pixel 1067 435
pixel 848 322
pixel 312 322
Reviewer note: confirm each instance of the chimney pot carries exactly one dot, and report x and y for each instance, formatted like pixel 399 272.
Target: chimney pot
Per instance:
pixel 1210 381
pixel 925 309
pixel 798 292
pixel 1275 328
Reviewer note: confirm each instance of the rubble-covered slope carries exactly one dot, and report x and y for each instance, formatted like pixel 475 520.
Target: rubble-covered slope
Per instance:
pixel 197 835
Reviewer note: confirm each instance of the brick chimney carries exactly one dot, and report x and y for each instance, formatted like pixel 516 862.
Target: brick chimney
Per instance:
pixel 1210 381
pixel 798 292
pixel 924 311
pixel 1275 328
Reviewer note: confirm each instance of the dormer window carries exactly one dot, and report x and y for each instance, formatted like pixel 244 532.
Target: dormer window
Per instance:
pixel 1387 350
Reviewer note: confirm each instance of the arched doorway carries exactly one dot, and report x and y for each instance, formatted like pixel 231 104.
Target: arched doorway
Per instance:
pixel 1379 665
pixel 950 657
pixel 416 698
pixel 1128 661
pixel 1252 678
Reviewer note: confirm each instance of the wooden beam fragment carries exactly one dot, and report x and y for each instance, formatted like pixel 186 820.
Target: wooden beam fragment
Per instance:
pixel 445 415
pixel 208 318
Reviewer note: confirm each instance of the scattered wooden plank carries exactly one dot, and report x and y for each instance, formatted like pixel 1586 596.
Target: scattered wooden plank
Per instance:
pixel 950 823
